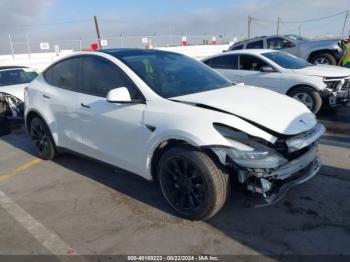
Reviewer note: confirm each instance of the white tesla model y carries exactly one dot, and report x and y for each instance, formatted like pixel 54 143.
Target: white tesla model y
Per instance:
pixel 172 119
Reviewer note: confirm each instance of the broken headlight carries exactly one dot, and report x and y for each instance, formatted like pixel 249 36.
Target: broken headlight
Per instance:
pixel 247 152
pixel 305 139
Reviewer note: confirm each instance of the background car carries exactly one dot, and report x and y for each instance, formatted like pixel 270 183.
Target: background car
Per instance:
pixel 13 80
pixel 325 51
pixel 172 119
pixel 313 85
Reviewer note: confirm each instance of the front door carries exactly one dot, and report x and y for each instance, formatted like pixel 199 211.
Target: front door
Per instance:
pixel 112 132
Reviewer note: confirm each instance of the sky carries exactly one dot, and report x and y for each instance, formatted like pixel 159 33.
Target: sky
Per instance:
pixel 46 20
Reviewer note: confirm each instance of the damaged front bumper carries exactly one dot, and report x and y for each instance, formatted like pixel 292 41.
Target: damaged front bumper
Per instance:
pixel 274 184
pixel 11 108
pixel 337 92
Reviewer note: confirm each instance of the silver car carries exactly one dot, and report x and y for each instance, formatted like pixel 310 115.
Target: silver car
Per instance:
pixel 326 51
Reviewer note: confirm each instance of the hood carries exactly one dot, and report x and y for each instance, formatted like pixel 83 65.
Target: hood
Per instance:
pixel 14 90
pixel 321 43
pixel 324 71
pixel 259 106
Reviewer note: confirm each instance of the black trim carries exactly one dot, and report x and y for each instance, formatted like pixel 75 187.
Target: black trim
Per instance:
pixel 151 128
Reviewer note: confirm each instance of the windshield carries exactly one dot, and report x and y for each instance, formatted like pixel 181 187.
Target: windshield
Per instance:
pixel 297 38
pixel 16 76
pixel 171 75
pixel 286 60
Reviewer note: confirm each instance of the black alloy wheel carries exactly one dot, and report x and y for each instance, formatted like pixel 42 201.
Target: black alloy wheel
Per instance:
pixel 192 183
pixel 42 139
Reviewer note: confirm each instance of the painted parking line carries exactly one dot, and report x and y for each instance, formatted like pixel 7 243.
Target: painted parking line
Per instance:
pixel 45 237
pixel 21 169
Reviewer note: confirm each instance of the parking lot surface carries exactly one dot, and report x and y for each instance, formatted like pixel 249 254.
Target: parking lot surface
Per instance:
pixel 76 206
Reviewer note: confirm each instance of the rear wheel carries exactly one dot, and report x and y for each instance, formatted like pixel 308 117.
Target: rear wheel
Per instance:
pixel 42 139
pixel 192 183
pixel 323 59
pixel 308 96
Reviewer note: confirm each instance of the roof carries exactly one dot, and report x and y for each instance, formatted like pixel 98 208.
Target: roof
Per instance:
pixel 243 51
pixel 121 52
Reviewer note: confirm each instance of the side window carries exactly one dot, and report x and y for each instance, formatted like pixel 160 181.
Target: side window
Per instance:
pixel 99 76
pixel 238 47
pixel 255 45
pixel 65 74
pixel 223 62
pixel 251 63
pixel 278 43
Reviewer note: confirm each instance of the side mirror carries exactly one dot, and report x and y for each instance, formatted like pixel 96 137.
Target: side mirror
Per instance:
pixel 288 45
pixel 119 95
pixel 267 69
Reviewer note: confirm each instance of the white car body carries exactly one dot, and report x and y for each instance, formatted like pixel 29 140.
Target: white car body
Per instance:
pixel 14 90
pixel 128 135
pixel 283 80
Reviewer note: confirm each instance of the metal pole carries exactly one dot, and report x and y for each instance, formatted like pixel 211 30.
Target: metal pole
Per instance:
pixel 121 40
pixel 80 44
pixel 278 25
pixel 299 30
pixel 12 52
pixel 98 32
pixel 249 25
pixel 346 17
pixel 28 47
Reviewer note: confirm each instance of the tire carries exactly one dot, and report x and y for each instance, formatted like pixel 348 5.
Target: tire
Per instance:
pixel 323 58
pixel 192 183
pixel 308 96
pixel 42 139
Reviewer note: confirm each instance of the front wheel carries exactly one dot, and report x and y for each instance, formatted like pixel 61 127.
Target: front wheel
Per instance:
pixel 309 97
pixel 42 139
pixel 192 183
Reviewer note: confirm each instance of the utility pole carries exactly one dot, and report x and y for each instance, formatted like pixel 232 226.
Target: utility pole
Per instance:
pixel 12 52
pixel 97 32
pixel 249 25
pixel 278 25
pixel 28 47
pixel 346 17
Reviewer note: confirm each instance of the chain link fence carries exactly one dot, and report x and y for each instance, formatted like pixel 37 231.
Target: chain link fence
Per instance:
pixel 13 47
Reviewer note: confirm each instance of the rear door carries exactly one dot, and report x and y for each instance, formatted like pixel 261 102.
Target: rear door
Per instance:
pixel 251 74
pixel 112 131
pixel 60 98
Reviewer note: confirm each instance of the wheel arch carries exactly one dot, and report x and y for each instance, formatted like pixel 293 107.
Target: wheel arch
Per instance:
pixel 30 116
pixel 317 52
pixel 292 88
pixel 166 144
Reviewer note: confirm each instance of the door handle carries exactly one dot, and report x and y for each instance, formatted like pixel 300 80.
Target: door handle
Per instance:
pixel 47 97
pixel 83 105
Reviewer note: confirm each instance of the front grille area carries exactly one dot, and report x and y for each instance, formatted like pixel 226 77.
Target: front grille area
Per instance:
pixel 334 84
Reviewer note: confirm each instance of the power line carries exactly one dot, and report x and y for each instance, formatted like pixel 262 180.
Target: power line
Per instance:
pixel 301 21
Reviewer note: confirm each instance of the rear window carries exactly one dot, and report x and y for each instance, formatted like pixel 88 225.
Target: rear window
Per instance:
pixel 223 62
pixel 64 74
pixel 17 76
pixel 256 45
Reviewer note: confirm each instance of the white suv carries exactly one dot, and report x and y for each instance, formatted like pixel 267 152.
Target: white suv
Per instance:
pixel 169 118
pixel 313 85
